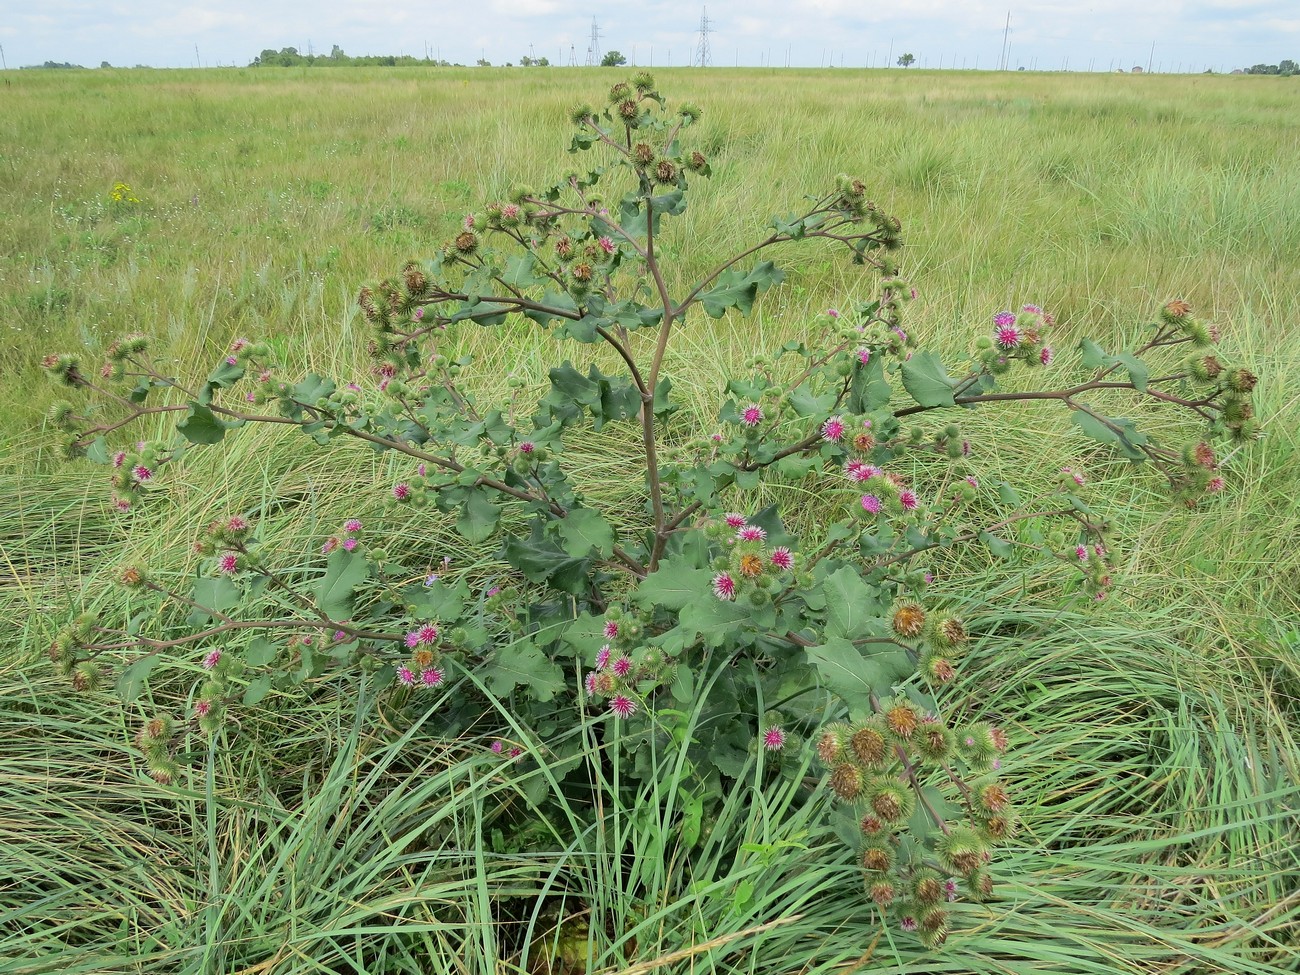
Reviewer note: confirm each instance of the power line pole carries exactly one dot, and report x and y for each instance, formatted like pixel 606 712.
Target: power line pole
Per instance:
pixel 703 58
pixel 3 62
pixel 593 46
pixel 1006 35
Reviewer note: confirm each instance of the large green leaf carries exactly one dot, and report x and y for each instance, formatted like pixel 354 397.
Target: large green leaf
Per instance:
pixel 220 594
pixel 674 584
pixel 869 391
pixel 736 290
pixel 1119 431
pixel 478 518
pixel 854 676
pixel 542 561
pixel 132 680
pixel 201 426
pixel 585 529
pixel 1095 357
pixel 343 573
pixel 523 664
pixel 714 620
pixel 851 605
pixel 927 381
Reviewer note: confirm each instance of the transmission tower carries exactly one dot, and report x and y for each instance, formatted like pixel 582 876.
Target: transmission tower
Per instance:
pixel 573 57
pixel 593 46
pixel 703 58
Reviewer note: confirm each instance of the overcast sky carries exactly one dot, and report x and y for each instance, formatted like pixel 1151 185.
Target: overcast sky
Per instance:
pixel 1188 35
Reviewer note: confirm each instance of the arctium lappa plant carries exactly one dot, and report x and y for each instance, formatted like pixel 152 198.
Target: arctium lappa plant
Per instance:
pixel 612 611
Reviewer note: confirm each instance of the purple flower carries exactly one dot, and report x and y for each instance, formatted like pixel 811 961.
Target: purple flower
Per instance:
pixel 751 533
pixel 602 657
pixel 228 563
pixel 833 429
pixel 622 706
pixel 402 491
pixel 871 504
pixel 724 587
pixel 733 519
pixel 432 677
pixel 751 415
pixel 1003 319
pixel 406 676
pixel 774 739
pixel 611 629
pixel 782 558
pixel 211 660
pixel 1007 336
pixel 622 667
pixel 352 526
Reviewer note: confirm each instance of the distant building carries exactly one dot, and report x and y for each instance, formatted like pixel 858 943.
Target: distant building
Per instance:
pixel 1137 69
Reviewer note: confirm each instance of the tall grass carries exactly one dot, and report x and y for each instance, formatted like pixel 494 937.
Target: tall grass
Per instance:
pixel 1155 757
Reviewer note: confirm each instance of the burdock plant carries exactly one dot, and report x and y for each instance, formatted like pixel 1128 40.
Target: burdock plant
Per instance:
pixel 639 596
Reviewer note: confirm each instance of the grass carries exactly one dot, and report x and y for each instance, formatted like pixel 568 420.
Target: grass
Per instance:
pixel 1155 766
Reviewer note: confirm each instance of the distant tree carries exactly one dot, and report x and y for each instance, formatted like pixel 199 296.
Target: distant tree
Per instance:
pixel 612 60
pixel 542 63
pixel 907 60
pixel 336 53
pixel 1288 67
pixel 483 63
pixel 104 64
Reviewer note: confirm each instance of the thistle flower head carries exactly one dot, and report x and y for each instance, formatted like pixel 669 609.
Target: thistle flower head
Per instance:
pixel 724 586
pixel 902 719
pixel 228 563
pixel 751 533
pixel 782 558
pixel 1007 336
pixel 872 504
pixel 909 619
pixel 833 429
pixel 751 415
pixel 774 739
pixel 868 744
pixel 734 519
pixel 846 782
pixel 622 706
pixel 211 659
pixel 622 666
pixel 877 858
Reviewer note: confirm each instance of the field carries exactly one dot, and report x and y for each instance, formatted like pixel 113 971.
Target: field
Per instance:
pixel 1157 764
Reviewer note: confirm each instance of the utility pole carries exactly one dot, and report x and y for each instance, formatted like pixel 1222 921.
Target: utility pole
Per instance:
pixel 2 58
pixel 1152 57
pixel 1006 36
pixel 703 57
pixel 593 46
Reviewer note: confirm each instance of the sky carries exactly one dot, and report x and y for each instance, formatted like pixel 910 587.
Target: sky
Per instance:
pixel 1097 35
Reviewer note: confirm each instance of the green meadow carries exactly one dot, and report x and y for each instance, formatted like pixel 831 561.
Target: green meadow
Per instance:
pixel 1156 756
